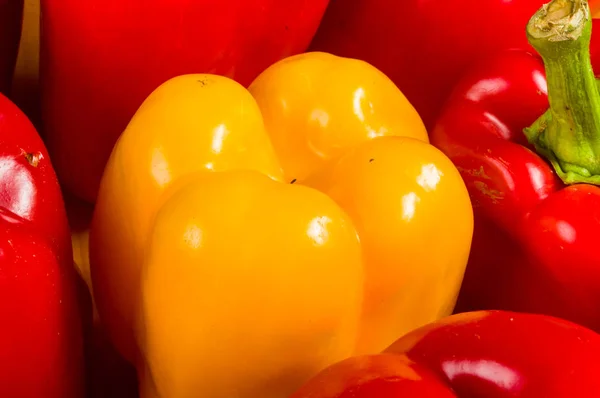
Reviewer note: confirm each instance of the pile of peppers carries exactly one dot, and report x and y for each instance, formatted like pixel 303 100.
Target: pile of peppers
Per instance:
pixel 523 129
pixel 305 225
pixel 532 172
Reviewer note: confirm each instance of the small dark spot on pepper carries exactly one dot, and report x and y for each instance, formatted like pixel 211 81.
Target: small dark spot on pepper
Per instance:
pixel 293 181
pixel 371 160
pixel 32 158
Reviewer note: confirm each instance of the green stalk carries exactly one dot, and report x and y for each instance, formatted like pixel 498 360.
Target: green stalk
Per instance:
pixel 541 122
pixel 569 137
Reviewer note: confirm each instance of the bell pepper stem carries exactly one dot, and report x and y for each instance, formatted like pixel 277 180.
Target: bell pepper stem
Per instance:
pixel 541 122
pixel 569 137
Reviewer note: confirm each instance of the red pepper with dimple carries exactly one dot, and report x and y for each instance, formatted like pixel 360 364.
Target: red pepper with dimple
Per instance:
pixel 433 41
pixel 41 345
pixel 536 203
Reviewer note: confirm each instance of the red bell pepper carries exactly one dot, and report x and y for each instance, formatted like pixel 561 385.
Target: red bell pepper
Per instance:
pixel 492 354
pixel 433 42
pixel 535 235
pixel 11 19
pixel 41 346
pixel 99 61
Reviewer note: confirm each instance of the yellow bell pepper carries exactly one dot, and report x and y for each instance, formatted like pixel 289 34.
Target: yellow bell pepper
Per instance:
pixel 244 239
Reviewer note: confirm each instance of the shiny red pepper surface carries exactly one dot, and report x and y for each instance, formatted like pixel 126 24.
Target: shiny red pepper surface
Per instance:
pixel 433 40
pixel 534 244
pixel 487 354
pixel 41 347
pixel 100 60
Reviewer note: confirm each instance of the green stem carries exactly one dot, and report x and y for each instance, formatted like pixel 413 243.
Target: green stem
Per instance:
pixel 541 122
pixel 570 137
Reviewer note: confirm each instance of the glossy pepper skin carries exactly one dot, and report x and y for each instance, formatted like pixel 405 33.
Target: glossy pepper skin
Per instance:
pixel 41 347
pixel 223 247
pixel 492 354
pixel 437 40
pixel 533 246
pixel 11 18
pixel 99 62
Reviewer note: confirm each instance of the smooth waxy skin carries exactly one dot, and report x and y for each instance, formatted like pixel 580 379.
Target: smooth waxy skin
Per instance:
pixel 331 105
pixel 377 375
pixel 314 121
pixel 198 154
pixel 41 347
pixel 414 217
pixel 491 354
pixel 147 159
pixel 276 276
pixel 41 352
pixel 224 105
pixel 498 354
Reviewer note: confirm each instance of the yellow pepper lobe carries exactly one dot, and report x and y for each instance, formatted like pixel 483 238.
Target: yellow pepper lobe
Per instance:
pixel 415 222
pixel 190 123
pixel 317 106
pixel 250 287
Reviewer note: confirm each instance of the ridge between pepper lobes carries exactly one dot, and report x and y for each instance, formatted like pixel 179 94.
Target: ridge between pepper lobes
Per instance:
pixel 534 245
pixel 291 224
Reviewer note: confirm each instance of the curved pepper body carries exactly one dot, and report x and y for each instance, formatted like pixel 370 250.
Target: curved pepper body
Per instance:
pixel 205 251
pixel 493 354
pixel 89 96
pixel 41 347
pixel 161 146
pixel 312 121
pixel 278 279
pixel 533 246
